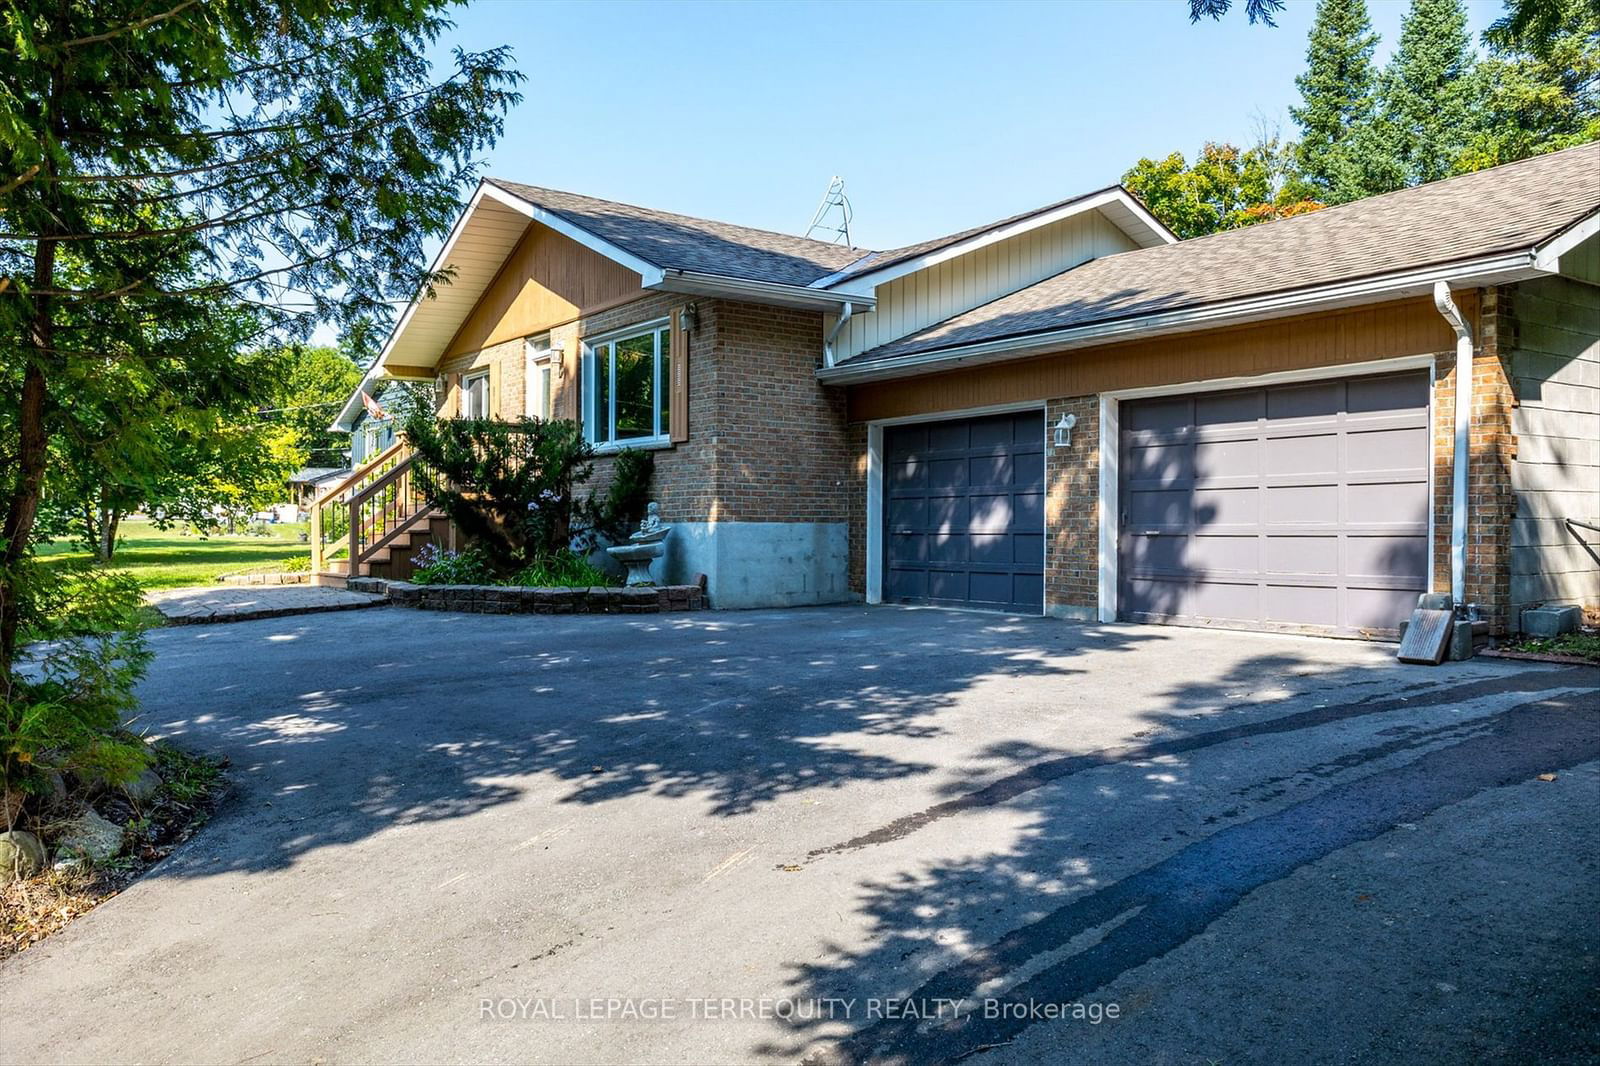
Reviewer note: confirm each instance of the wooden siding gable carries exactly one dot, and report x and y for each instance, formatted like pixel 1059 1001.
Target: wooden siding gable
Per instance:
pixel 546 281
pixel 918 300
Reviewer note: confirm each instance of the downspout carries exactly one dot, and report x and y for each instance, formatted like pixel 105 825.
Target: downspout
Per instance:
pixel 1458 501
pixel 833 334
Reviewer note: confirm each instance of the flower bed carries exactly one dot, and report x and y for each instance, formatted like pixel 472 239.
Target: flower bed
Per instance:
pixel 512 599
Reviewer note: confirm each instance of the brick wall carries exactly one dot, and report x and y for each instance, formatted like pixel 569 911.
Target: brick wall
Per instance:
pixel 1491 503
pixel 1072 511
pixel 766 442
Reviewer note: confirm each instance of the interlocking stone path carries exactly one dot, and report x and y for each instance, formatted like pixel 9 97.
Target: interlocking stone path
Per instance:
pixel 234 603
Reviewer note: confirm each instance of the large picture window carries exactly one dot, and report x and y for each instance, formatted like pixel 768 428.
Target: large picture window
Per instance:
pixel 626 385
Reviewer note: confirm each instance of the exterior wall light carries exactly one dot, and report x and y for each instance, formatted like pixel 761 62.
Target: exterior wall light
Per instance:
pixel 1064 430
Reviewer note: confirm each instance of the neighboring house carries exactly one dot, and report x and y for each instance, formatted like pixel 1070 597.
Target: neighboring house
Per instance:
pixel 1068 411
pixel 372 434
pixel 312 481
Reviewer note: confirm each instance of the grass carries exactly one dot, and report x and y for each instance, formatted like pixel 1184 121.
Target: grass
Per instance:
pixel 169 559
pixel 1583 645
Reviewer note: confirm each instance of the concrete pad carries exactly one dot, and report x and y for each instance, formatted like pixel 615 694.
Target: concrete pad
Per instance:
pixel 234 603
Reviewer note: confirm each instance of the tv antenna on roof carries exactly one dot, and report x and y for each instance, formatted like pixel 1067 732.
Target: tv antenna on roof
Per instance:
pixel 832 220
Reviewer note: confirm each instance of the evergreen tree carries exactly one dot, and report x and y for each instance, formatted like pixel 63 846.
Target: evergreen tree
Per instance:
pixel 1424 105
pixel 1336 91
pixel 1537 91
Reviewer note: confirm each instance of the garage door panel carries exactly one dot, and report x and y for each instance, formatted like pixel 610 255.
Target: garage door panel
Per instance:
pixel 1376 608
pixel 1379 502
pixel 1313 518
pixel 1170 415
pixel 1321 400
pixel 1301 505
pixel 1300 555
pixel 1216 554
pixel 1155 462
pixel 907 474
pixel 1237 457
pixel 1305 454
pixel 1227 409
pixel 977 513
pixel 1372 557
pixel 948 474
pixel 1308 605
pixel 907 513
pixel 1387 449
pixel 945 548
pixel 1387 393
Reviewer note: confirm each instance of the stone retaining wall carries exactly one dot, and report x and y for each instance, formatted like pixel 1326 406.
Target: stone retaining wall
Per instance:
pixel 502 599
pixel 285 578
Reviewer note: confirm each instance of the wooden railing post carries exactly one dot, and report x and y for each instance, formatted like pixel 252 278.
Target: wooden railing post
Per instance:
pixel 355 533
pixel 316 536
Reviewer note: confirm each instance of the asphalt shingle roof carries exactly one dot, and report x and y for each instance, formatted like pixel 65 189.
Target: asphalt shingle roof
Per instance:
pixel 1504 209
pixel 679 242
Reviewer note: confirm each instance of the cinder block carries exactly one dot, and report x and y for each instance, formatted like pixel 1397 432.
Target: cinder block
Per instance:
pixel 1434 601
pixel 1551 620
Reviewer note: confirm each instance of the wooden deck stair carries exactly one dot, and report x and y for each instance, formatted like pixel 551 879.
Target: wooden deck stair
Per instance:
pixel 379 518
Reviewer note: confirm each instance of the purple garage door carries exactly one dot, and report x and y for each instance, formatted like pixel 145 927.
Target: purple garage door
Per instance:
pixel 964 513
pixel 1295 507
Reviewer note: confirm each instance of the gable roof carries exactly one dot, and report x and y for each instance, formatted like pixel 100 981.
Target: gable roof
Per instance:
pixel 703 246
pixel 1507 210
pixel 1121 206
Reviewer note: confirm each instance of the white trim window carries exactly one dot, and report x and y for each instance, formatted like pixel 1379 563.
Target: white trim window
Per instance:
pixel 475 395
pixel 541 379
pixel 626 387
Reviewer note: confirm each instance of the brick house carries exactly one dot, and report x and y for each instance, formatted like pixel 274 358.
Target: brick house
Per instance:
pixel 1069 411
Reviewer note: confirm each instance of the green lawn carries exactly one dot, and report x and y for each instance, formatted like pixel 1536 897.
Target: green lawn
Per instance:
pixel 168 559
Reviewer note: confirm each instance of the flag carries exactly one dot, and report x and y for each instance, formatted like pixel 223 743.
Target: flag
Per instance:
pixel 374 408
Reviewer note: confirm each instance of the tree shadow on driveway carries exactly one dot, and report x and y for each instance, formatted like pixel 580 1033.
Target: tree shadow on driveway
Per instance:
pixel 339 727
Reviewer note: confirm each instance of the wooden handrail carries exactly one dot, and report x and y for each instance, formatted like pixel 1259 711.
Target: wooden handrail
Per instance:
pixel 357 475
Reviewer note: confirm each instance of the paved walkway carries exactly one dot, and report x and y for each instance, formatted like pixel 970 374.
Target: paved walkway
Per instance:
pixel 234 603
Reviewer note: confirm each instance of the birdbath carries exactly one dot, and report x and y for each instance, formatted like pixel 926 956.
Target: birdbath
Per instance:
pixel 644 547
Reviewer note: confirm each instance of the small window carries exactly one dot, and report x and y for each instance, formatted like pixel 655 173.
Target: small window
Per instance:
pixel 627 381
pixel 475 395
pixel 541 395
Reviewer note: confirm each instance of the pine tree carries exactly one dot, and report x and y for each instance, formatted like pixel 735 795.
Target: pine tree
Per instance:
pixel 1424 103
pixel 1337 90
pixel 1538 91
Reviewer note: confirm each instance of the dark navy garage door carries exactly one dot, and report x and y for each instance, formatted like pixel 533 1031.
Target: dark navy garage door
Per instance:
pixel 964 513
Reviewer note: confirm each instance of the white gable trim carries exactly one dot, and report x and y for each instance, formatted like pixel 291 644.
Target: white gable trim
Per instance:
pixel 1548 255
pixel 866 281
pixel 647 270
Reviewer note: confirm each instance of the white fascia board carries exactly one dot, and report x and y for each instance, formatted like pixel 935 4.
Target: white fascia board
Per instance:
pixel 1156 226
pixel 868 280
pixel 1517 266
pixel 644 268
pixel 1548 255
pixel 770 292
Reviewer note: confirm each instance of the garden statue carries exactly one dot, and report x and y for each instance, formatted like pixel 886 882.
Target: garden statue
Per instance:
pixel 644 546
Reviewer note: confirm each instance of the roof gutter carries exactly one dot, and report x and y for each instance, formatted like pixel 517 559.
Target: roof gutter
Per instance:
pixel 769 292
pixel 1491 270
pixel 1463 445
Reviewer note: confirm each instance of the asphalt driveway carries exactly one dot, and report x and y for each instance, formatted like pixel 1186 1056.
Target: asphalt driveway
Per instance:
pixel 845 834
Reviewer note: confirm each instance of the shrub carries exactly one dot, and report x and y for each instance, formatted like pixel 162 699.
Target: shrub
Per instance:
pixel 618 512
pixel 440 566
pixel 564 569
pixel 61 704
pixel 510 487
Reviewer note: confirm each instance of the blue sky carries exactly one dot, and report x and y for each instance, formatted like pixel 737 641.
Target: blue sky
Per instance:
pixel 939 116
